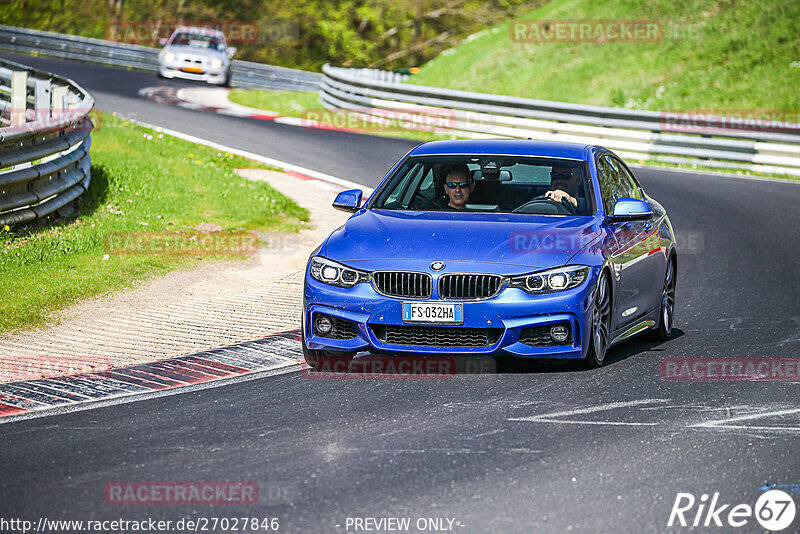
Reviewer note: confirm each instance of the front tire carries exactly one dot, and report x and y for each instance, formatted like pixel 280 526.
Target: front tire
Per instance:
pixel 601 322
pixel 326 360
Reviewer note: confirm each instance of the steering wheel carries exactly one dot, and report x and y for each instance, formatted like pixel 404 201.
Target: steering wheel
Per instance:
pixel 542 205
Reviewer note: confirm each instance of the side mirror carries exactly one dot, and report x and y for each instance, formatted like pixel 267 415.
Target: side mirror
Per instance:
pixel 162 41
pixel 348 201
pixel 230 51
pixel 630 209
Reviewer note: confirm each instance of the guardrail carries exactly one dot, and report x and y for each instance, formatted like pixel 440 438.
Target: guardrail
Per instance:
pixel 633 134
pixel 243 74
pixel 44 143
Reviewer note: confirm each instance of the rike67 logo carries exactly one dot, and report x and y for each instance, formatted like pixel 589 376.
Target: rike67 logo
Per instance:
pixel 774 510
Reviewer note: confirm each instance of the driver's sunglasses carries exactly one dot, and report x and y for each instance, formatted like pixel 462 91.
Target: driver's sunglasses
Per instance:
pixel 564 175
pixel 453 185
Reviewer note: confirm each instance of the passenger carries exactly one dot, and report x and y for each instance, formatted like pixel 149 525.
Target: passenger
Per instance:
pixel 458 186
pixel 565 182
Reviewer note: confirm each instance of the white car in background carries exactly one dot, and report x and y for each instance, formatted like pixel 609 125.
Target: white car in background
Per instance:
pixel 196 54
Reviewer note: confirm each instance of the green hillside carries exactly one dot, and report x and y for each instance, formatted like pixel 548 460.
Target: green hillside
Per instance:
pixel 713 55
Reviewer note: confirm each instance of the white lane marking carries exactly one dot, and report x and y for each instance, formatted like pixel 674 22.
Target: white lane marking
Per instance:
pixel 256 157
pixel 794 337
pixel 137 397
pixel 446 450
pixel 235 113
pixel 553 417
pixel 724 424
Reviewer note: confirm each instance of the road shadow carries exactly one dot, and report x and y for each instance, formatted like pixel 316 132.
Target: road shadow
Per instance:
pixel 403 365
pixel 633 347
pixel 96 195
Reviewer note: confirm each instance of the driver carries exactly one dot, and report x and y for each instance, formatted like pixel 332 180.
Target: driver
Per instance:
pixel 564 182
pixel 458 186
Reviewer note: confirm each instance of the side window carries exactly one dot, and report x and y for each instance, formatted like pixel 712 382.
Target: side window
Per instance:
pixel 615 183
pixel 608 181
pixel 427 181
pixel 632 186
pixel 401 190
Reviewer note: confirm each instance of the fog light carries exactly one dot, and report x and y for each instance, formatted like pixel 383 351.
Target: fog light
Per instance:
pixel 322 324
pixel 559 333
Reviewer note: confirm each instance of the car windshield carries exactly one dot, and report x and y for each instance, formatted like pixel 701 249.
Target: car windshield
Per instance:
pixel 199 40
pixel 505 184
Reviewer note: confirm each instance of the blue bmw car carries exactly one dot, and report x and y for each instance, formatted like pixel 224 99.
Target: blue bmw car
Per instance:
pixel 487 248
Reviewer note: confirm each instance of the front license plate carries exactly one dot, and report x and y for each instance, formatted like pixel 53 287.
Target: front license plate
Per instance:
pixel 195 70
pixel 415 312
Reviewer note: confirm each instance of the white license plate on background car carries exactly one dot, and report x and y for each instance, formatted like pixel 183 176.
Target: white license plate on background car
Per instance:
pixel 415 312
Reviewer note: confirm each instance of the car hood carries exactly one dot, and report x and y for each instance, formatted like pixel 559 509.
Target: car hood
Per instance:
pixel 370 237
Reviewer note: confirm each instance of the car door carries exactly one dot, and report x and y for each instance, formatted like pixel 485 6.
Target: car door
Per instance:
pixel 654 260
pixel 628 255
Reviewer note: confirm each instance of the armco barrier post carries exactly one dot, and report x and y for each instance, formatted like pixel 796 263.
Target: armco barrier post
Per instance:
pixel 41 98
pixel 59 94
pixel 19 97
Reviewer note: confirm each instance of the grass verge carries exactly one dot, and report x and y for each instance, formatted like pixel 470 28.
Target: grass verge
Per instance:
pixel 142 182
pixel 713 55
pixel 286 103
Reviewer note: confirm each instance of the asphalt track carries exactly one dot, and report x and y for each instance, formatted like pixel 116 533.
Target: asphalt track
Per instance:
pixel 547 449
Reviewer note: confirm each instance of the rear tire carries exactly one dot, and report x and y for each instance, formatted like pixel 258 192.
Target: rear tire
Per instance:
pixel 666 316
pixel 601 322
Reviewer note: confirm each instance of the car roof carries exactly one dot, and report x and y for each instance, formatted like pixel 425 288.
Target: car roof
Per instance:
pixel 505 147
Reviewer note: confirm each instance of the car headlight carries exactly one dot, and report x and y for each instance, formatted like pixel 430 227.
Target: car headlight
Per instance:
pixel 551 280
pixel 169 57
pixel 216 63
pixel 335 274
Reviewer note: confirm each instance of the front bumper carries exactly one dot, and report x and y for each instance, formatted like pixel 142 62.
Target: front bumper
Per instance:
pixel 209 74
pixel 510 312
